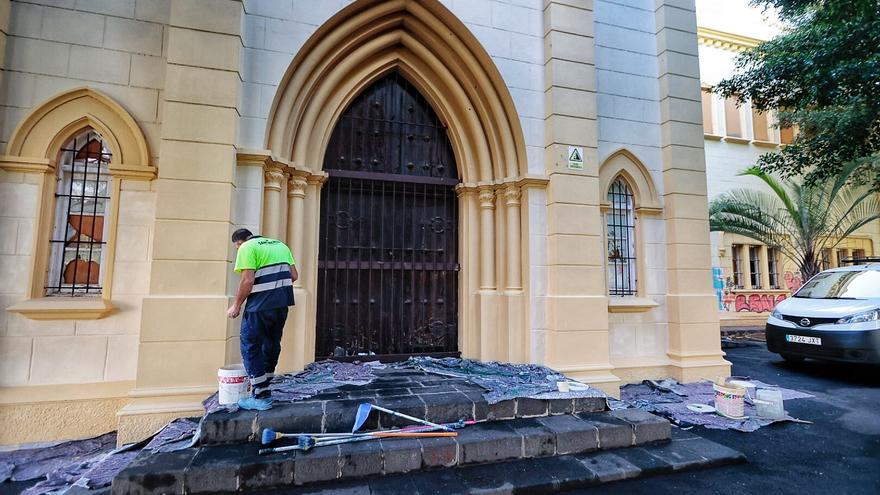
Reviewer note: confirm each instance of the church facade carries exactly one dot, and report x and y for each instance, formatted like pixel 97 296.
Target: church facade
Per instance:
pixel 518 180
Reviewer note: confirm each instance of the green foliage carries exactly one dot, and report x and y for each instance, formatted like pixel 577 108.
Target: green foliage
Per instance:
pixel 824 70
pixel 798 219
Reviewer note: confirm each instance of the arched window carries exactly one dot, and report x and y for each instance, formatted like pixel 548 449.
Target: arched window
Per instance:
pixel 621 234
pixel 82 198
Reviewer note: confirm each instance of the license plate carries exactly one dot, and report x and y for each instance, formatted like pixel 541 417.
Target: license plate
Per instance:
pixel 800 339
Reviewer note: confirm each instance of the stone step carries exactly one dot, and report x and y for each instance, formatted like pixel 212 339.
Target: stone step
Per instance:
pixel 437 399
pixel 685 452
pixel 231 468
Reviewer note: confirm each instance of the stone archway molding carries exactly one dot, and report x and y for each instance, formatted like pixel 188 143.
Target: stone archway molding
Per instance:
pixel 434 50
pixel 623 163
pixel 36 141
pixel 437 54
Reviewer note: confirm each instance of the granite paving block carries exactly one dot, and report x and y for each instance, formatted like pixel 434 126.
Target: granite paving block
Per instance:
pixel 225 427
pixel 714 453
pixel 216 469
pixel 589 404
pixel 441 482
pixel 433 389
pixel 401 455
pixel 299 417
pixel 257 472
pixel 393 485
pixel 678 455
pixel 492 442
pixel 610 467
pixel 506 478
pixel 530 408
pixel 573 435
pixel 448 407
pixel 318 464
pixel 410 405
pixel 647 427
pixel 154 473
pixel 361 394
pixel 614 433
pixel 481 406
pixel 538 440
pixel 360 459
pixel 567 471
pixel 561 406
pixel 439 452
pixel 392 392
pixel 505 409
pixel 679 434
pixel 649 464
pixel 339 415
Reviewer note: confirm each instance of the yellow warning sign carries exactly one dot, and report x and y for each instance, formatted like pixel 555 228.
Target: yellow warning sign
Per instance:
pixel 575 158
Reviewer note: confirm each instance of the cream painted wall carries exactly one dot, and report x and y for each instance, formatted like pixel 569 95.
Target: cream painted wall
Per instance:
pixel 118 49
pixel 629 118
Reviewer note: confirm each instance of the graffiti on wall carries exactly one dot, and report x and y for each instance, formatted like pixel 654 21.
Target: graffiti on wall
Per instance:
pixel 737 300
pixel 757 303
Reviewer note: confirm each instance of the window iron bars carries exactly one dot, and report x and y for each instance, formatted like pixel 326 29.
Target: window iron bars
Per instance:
pixel 621 240
pixel 773 267
pixel 737 265
pixel 755 266
pixel 77 246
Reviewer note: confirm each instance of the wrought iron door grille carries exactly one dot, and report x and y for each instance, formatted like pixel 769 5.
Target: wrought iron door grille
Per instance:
pixel 388 248
pixel 78 241
pixel 621 240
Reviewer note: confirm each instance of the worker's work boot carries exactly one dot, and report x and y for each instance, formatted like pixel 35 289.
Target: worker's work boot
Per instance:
pixel 255 404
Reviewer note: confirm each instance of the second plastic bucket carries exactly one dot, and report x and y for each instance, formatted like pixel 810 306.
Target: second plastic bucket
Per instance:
pixel 233 383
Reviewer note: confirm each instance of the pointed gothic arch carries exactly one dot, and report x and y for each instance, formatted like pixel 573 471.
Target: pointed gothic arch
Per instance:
pixel 434 50
pixel 623 163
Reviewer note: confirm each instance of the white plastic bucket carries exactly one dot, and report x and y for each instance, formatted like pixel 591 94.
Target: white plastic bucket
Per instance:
pixel 729 400
pixel 769 403
pixel 233 383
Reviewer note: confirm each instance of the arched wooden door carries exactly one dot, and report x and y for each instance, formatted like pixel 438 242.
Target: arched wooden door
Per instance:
pixel 388 255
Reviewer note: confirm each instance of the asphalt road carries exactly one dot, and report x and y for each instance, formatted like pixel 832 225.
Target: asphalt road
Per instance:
pixel 839 453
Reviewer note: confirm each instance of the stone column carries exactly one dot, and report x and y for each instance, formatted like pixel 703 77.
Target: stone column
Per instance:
pixel 487 239
pixel 184 327
pixel 514 240
pixel 576 341
pixel 273 180
pixel 694 347
pixel 296 194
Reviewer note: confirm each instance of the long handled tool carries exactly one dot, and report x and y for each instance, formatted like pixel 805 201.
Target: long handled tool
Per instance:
pixel 364 411
pixel 305 443
pixel 269 435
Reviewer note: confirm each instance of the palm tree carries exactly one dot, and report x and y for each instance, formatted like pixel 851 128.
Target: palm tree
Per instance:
pixel 800 220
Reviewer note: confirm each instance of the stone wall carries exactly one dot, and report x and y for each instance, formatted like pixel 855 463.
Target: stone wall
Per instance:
pixel 117 48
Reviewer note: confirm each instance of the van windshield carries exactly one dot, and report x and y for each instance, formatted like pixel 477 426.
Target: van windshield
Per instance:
pixel 842 285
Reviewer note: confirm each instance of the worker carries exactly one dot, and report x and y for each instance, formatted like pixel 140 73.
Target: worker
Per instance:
pixel 267 271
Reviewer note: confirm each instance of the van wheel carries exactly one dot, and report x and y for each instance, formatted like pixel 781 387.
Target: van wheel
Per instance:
pixel 791 358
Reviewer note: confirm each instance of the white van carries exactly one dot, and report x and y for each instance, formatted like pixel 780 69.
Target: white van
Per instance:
pixel 834 316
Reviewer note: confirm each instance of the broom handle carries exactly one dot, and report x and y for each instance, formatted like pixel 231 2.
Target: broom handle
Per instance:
pixel 405 416
pixel 371 436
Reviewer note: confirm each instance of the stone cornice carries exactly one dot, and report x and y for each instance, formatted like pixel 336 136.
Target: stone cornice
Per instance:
pixel 726 41
pixel 23 164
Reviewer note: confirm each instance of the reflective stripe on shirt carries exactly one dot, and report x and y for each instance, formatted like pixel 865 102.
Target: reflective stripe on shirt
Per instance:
pixel 284 282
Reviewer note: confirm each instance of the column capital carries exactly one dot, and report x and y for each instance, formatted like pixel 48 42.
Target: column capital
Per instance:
pixel 296 186
pixel 512 195
pixel 274 178
pixel 487 198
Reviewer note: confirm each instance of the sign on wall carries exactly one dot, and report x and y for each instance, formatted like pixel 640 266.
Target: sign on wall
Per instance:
pixel 575 158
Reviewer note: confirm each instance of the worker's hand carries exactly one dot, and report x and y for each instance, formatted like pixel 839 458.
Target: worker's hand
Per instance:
pixel 233 311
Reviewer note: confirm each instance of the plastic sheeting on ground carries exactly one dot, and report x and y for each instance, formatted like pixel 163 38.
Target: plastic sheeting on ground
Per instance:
pixel 670 399
pixel 89 463
pixel 502 381
pixel 314 379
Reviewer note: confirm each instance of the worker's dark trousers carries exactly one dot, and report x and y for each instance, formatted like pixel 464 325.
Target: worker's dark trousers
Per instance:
pixel 261 346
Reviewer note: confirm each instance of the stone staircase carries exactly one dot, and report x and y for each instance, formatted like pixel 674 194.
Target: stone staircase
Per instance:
pixel 535 444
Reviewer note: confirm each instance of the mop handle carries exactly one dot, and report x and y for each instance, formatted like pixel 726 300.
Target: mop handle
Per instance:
pixel 371 436
pixel 405 416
